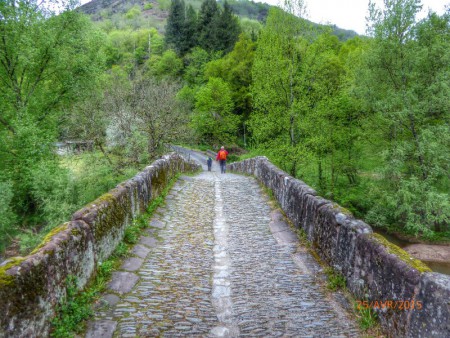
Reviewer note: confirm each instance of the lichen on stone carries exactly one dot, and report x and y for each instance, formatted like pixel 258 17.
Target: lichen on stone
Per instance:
pixel 342 209
pixel 49 236
pixel 6 279
pixel 401 254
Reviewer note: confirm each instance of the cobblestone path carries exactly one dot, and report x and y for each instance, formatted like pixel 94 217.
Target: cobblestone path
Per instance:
pixel 217 261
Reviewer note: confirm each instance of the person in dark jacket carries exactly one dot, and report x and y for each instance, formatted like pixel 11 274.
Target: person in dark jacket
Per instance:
pixel 209 162
pixel 222 158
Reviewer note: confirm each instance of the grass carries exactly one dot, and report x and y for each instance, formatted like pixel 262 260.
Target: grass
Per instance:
pixel 367 318
pixel 76 307
pixel 335 280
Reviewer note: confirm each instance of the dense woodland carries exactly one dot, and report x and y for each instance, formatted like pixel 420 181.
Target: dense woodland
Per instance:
pixel 362 119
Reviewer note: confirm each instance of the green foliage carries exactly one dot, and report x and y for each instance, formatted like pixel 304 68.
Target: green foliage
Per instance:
pixel 73 309
pixel 335 279
pixel 235 69
pixel 212 118
pixel 404 85
pixel 40 79
pixel 7 216
pixel 148 6
pixel 164 4
pixel 166 65
pixel 175 25
pixel 133 12
pixel 249 9
pixel 275 72
pixel 218 29
pixel 367 318
pixel 196 61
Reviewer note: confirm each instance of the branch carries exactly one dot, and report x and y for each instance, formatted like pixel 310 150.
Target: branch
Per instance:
pixel 7 125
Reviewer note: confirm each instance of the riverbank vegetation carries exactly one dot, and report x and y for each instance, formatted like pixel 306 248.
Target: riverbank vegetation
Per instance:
pixel 362 119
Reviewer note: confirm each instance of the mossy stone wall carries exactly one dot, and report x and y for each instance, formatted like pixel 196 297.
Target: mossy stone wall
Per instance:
pixel 32 286
pixel 375 270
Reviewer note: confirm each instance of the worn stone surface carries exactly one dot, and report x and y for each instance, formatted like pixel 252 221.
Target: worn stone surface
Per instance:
pixel 150 242
pixel 374 269
pixel 132 264
pixel 101 329
pixel 273 294
pixel 218 271
pixel 140 250
pixel 434 297
pixel 123 282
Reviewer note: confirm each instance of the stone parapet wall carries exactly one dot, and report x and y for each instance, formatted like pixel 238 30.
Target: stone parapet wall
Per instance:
pixel 375 270
pixel 31 286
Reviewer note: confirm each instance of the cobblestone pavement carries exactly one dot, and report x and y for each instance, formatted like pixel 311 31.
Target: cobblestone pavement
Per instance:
pixel 217 261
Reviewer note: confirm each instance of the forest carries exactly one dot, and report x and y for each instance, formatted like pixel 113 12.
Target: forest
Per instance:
pixel 364 120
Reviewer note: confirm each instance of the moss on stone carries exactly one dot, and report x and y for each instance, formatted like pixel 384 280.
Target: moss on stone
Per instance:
pixel 342 209
pixel 75 232
pixel 49 236
pixel 401 254
pixel 6 279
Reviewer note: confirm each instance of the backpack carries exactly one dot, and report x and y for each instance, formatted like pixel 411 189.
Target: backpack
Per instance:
pixel 222 155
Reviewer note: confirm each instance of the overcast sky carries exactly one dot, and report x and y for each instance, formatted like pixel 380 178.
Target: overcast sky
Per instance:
pixel 351 14
pixel 348 14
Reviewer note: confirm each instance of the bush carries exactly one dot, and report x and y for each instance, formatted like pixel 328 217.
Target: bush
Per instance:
pixel 7 215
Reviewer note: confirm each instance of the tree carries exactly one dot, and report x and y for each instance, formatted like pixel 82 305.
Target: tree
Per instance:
pixel 190 30
pixel 175 28
pixel 207 17
pixel 167 65
pixel 275 74
pixel 407 79
pixel 226 29
pixel 144 115
pixel 47 62
pixel 212 118
pixel 235 68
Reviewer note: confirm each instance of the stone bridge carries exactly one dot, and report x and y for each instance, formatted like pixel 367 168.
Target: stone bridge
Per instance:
pixel 220 259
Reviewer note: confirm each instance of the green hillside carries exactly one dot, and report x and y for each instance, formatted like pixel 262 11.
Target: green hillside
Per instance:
pixel 153 13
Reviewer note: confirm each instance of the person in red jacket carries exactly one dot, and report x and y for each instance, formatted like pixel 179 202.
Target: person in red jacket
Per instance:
pixel 222 158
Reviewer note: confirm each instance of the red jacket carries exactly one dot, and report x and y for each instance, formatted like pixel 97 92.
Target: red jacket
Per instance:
pixel 218 154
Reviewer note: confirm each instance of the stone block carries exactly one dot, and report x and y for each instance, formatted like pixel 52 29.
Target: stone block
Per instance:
pixel 432 318
pixel 101 329
pixel 123 282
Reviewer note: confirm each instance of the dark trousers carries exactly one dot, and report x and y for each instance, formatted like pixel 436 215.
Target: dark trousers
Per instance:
pixel 223 166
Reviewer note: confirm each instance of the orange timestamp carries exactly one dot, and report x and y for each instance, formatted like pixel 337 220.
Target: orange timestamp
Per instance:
pixel 389 304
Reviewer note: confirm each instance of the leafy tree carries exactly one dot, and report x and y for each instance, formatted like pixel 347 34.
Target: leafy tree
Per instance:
pixel 144 116
pixel 236 69
pixel 47 61
pixel 195 62
pixel 212 118
pixel 407 68
pixel 167 65
pixel 275 88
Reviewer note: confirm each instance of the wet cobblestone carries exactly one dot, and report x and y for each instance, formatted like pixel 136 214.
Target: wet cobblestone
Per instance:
pixel 212 267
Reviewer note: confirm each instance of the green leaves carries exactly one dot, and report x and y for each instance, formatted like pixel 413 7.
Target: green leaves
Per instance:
pixel 212 118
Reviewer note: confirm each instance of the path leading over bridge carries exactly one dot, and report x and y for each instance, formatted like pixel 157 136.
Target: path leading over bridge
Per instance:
pixel 219 261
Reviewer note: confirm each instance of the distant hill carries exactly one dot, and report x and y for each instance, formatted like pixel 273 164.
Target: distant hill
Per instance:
pixel 156 11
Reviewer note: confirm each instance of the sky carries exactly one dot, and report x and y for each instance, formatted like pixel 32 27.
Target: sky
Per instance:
pixel 351 14
pixel 348 14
